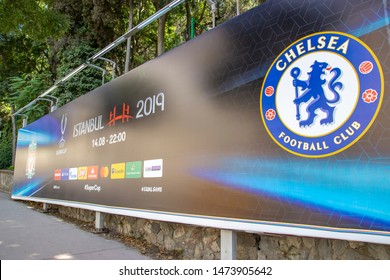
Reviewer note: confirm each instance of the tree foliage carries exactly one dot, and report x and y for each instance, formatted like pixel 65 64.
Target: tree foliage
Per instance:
pixel 70 58
pixel 5 141
pixel 33 18
pixel 5 150
pixel 27 88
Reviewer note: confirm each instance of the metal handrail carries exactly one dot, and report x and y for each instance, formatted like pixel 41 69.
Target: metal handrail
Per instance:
pixel 106 49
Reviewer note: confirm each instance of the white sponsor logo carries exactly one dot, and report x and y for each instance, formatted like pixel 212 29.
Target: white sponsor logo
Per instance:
pixel 73 173
pixel 153 168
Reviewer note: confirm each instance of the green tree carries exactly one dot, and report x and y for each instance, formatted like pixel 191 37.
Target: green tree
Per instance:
pixel 35 19
pixel 18 55
pixel 5 148
pixel 70 58
pixel 5 141
pixel 26 25
pixel 26 89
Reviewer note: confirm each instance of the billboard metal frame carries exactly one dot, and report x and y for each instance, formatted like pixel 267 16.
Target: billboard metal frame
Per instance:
pixel 290 177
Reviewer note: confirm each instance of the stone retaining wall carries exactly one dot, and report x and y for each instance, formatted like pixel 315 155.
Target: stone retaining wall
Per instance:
pixel 6 178
pixel 204 243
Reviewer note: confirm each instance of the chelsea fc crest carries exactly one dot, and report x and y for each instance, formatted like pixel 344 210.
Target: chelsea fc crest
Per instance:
pixel 321 94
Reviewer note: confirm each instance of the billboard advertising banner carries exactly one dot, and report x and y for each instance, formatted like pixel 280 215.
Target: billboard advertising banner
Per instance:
pixel 276 121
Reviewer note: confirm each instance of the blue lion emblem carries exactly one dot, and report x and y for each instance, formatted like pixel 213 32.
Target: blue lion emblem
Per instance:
pixel 313 90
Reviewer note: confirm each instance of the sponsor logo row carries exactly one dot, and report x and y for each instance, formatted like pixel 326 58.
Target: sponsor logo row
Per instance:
pixel 124 170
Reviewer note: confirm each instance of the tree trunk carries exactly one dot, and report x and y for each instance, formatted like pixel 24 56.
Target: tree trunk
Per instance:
pixel 158 4
pixel 128 47
pixel 161 35
pixel 188 17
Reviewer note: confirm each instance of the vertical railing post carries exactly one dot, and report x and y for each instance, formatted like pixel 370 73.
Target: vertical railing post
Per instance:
pixel 99 221
pixel 228 245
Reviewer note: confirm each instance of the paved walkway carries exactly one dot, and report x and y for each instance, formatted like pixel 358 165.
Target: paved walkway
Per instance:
pixel 26 234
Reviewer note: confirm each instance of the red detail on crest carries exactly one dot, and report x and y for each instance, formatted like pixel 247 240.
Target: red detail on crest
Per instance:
pixel 370 95
pixel 366 67
pixel 270 114
pixel 269 91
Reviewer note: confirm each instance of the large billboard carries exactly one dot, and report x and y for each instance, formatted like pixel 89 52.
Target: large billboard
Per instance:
pixel 277 121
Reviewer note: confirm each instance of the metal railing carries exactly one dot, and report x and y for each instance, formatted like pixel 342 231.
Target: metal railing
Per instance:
pixel 102 52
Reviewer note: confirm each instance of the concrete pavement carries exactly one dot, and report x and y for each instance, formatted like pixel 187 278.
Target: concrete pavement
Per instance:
pixel 29 235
